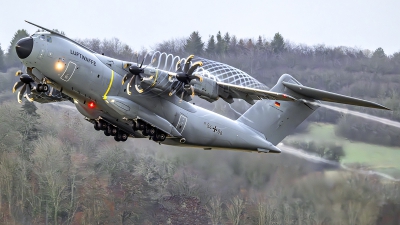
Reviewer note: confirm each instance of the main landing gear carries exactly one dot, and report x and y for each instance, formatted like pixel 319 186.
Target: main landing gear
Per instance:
pixel 111 130
pixel 147 130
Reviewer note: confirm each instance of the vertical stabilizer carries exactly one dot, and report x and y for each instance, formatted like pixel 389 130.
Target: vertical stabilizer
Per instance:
pixel 277 119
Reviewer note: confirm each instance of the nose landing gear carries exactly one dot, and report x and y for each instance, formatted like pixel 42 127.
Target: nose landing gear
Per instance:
pixel 42 87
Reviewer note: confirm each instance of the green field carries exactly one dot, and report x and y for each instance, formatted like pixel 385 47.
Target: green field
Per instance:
pixel 376 157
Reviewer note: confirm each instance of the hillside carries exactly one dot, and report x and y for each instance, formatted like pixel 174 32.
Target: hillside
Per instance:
pixel 55 167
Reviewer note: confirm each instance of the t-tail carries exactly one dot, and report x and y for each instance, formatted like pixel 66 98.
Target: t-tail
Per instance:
pixel 277 119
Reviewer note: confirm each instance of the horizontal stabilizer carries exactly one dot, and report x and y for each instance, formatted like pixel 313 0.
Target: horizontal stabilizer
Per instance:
pixel 330 97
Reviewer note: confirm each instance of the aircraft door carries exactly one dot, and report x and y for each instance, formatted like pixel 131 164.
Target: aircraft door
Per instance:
pixel 69 71
pixel 181 124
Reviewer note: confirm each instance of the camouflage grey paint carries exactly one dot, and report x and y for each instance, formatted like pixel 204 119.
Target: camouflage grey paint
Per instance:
pixel 88 76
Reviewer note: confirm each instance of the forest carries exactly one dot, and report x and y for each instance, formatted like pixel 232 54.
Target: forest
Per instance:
pixel 56 169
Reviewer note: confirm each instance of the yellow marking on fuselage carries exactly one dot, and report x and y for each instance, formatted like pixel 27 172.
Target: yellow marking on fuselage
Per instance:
pixel 155 79
pixel 109 85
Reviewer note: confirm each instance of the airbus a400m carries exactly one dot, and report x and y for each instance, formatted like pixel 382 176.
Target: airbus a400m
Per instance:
pixel 128 99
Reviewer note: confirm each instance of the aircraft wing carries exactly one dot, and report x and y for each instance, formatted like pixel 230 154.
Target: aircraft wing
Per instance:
pixel 229 91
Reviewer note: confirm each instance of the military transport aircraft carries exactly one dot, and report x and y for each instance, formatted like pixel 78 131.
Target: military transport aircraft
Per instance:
pixel 128 99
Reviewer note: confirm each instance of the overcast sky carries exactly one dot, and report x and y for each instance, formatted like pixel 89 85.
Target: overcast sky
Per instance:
pixel 365 24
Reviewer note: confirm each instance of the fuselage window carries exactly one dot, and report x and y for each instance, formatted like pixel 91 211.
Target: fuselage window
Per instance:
pixel 42 37
pixel 49 39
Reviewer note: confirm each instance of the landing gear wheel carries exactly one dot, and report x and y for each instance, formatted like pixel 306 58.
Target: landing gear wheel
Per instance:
pixel 112 130
pixel 116 138
pixel 154 138
pixel 39 87
pixel 102 125
pixel 124 136
pixel 151 130
pixel 140 125
pixel 45 87
pixel 97 125
pixel 160 136
pixel 106 133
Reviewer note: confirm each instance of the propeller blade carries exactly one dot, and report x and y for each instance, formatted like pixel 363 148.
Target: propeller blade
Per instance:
pixel 23 89
pixel 19 96
pixel 137 87
pixel 194 67
pixel 28 98
pixel 18 73
pixel 178 67
pixel 196 76
pixel 128 89
pixel 187 64
pixel 21 93
pixel 126 77
pixel 176 86
pixel 17 85
pixel 141 64
pixel 191 87
pixel 28 89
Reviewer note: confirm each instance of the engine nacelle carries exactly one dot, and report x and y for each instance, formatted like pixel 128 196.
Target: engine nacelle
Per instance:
pixel 207 90
pixel 159 81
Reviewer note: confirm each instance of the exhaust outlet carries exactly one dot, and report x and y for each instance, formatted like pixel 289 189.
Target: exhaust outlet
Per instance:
pixel 182 140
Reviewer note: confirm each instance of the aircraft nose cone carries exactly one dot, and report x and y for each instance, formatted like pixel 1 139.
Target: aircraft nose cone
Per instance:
pixel 24 47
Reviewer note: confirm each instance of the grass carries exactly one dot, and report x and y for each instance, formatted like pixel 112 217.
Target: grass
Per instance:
pixel 380 158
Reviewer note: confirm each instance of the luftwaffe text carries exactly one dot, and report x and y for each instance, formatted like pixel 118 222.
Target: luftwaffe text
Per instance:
pixel 83 57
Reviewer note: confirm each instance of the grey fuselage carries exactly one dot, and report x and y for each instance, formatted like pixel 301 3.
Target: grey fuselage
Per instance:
pixel 87 76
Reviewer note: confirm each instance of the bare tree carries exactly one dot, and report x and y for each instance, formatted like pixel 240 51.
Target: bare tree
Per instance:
pixel 52 171
pixel 235 209
pixel 214 210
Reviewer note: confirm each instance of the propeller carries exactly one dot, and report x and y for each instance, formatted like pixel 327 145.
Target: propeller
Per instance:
pixel 184 76
pixel 26 82
pixel 134 75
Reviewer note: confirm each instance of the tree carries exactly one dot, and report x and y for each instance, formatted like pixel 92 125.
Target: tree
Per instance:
pixel 379 53
pixel 2 66
pixel 214 210
pixel 233 45
pixel 211 45
pixel 194 44
pixel 278 44
pixel 220 46
pixel 12 59
pixel 260 44
pixel 51 166
pixel 227 40
pixel 235 210
pixel 28 119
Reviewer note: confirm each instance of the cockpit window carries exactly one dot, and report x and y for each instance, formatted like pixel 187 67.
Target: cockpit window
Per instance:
pixel 49 39
pixel 42 37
